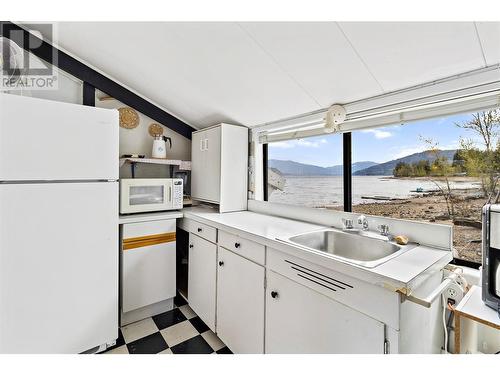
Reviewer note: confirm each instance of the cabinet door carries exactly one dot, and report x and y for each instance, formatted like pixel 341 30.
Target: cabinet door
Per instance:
pixel 211 156
pixel 205 171
pixel 202 273
pixel 148 263
pixel 197 164
pixel 301 320
pixel 240 303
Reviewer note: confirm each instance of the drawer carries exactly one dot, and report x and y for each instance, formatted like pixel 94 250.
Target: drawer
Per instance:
pixel 205 231
pixel 246 248
pixel 148 228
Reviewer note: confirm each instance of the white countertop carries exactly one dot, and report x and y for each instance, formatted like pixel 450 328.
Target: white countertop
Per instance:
pixel 404 272
pixel 150 216
pixel 472 306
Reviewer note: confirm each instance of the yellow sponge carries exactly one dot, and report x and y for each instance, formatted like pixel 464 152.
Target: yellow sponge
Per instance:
pixel 401 240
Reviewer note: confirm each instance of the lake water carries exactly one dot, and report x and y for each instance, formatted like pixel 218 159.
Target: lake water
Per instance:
pixel 328 191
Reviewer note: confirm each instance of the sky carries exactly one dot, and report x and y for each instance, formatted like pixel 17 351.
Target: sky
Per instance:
pixel 378 145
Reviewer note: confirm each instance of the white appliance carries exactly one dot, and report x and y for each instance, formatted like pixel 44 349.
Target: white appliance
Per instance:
pixel 150 194
pixel 491 256
pixel 58 226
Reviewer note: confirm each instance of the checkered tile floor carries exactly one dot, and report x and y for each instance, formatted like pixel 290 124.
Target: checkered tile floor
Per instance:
pixel 178 331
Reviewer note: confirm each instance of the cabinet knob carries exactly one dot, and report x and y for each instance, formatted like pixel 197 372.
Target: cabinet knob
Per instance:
pixel 274 294
pixel 221 263
pixel 237 245
pixel 190 245
pixel 199 229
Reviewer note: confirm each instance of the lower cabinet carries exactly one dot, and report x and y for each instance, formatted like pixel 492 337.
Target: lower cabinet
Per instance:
pixel 148 263
pixel 240 303
pixel 301 320
pixel 202 275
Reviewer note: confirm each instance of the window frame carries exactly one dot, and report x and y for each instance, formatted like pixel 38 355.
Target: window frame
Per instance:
pixel 347 183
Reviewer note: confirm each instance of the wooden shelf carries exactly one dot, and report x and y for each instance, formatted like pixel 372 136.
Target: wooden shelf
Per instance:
pixel 184 165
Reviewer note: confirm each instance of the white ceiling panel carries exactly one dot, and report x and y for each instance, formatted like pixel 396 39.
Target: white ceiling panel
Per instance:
pixel 204 72
pixel 318 57
pixel 252 73
pixel 406 54
pixel 489 33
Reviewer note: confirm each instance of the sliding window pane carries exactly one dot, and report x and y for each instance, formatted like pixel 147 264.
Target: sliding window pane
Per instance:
pixel 440 170
pixel 307 172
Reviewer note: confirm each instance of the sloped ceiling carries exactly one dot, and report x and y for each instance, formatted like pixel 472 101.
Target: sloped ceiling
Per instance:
pixel 252 73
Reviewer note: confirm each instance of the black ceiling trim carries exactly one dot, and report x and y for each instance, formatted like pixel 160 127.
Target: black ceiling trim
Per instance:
pixel 86 74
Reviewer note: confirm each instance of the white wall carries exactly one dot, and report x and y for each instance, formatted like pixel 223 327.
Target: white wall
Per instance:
pixel 138 141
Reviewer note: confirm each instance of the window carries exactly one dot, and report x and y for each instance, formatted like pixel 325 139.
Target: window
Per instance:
pixel 306 172
pixel 440 170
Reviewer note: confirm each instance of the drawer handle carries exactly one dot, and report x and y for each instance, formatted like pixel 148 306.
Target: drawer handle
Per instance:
pixel 237 245
pixel 190 245
pixel 221 263
pixel 274 294
pixel 200 230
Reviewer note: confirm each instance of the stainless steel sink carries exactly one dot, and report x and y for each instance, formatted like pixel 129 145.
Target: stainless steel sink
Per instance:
pixel 363 248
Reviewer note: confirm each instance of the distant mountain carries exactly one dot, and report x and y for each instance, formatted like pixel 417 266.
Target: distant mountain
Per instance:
pixel 292 168
pixel 386 169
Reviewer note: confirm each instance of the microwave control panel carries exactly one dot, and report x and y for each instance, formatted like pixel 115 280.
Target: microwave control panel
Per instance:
pixel 177 193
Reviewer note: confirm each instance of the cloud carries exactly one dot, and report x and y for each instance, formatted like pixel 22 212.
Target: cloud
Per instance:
pixel 379 134
pixel 299 143
pixel 407 150
pixel 403 151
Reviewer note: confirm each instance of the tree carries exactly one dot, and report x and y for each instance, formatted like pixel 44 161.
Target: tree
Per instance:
pixel 441 167
pixel 483 163
pixel 402 169
pixel 487 125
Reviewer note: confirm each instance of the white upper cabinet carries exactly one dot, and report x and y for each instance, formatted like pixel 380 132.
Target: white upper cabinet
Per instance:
pixel 220 166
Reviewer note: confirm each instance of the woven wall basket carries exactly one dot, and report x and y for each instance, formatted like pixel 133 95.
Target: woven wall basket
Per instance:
pixel 129 119
pixel 155 129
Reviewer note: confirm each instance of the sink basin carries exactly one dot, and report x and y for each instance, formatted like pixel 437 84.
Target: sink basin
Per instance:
pixel 363 248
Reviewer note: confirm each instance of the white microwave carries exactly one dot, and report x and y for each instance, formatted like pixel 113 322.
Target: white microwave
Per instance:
pixel 150 194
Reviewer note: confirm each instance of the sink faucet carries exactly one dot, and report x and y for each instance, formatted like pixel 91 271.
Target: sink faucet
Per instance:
pixel 384 229
pixel 363 221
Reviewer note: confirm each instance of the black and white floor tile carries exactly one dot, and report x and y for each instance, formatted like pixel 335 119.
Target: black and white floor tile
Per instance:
pixel 179 331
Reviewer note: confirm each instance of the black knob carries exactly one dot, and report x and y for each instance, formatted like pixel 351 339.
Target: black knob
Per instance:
pixel 199 229
pixel 237 244
pixel 221 263
pixel 274 294
pixel 190 245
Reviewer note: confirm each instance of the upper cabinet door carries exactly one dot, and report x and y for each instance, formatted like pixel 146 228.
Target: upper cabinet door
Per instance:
pixel 197 164
pixel 48 140
pixel 300 320
pixel 206 164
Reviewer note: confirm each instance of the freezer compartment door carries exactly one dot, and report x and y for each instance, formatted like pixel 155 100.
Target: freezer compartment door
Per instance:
pixel 48 140
pixel 58 266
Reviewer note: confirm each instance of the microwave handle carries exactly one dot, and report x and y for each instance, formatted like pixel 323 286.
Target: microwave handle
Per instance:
pixel 170 193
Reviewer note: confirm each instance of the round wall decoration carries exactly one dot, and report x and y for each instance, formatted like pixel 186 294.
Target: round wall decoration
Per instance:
pixel 129 119
pixel 155 129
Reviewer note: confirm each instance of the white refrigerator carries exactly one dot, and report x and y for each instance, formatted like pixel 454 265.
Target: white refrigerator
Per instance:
pixel 58 226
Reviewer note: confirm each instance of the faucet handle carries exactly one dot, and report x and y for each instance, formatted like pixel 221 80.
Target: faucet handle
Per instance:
pixel 347 223
pixel 384 229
